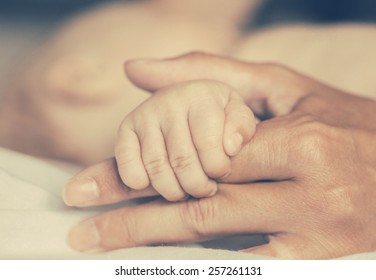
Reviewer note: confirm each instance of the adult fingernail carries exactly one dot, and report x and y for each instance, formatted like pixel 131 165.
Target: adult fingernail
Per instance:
pixel 85 237
pixel 235 144
pixel 81 192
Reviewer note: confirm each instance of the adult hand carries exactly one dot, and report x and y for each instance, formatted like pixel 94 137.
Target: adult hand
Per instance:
pixel 308 174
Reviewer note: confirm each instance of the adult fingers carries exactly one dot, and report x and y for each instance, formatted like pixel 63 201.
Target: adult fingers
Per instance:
pixel 268 155
pixel 236 209
pixel 99 185
pixel 152 74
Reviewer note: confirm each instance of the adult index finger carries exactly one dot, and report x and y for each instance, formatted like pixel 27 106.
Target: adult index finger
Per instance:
pixel 100 184
pixel 236 209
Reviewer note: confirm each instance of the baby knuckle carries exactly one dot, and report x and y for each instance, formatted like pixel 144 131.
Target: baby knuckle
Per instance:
pixel 217 170
pixel 214 164
pixel 123 157
pixel 156 165
pixel 126 177
pixel 202 89
pixel 202 188
pixel 126 125
pixel 247 124
pixel 182 163
pixel 133 182
pixel 209 143
pixel 124 164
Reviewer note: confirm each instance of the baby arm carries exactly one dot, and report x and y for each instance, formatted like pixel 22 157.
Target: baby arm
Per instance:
pixel 181 139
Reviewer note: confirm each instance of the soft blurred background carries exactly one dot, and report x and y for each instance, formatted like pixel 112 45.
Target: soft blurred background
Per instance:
pixel 272 11
pixel 24 22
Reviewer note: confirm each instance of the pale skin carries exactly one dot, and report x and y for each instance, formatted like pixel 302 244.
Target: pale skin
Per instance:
pixel 65 107
pixel 182 138
pixel 315 147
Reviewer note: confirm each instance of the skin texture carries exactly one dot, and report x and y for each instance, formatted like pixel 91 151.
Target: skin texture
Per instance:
pixel 306 179
pixel 182 138
pixel 75 80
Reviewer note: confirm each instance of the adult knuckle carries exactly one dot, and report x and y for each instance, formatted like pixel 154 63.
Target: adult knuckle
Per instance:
pixel 156 165
pixel 117 230
pixel 335 205
pixel 197 215
pixel 341 201
pixel 128 228
pixel 313 141
pixel 342 212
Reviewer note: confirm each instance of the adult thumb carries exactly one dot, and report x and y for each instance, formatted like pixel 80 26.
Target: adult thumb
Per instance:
pixel 257 83
pixel 152 74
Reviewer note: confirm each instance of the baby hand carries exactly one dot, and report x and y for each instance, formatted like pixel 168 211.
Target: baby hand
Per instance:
pixel 182 138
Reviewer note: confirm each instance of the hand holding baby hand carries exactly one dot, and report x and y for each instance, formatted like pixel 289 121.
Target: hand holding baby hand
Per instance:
pixel 309 171
pixel 182 138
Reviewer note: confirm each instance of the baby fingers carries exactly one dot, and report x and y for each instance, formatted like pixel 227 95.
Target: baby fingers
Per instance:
pixel 128 158
pixel 161 154
pixel 142 158
pixel 185 162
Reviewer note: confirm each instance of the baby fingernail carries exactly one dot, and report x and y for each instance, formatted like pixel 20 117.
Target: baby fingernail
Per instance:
pixel 85 237
pixel 81 192
pixel 235 144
